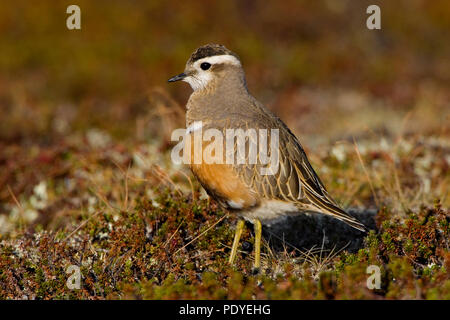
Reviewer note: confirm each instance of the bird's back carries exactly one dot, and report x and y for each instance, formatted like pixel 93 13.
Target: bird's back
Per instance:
pixel 295 181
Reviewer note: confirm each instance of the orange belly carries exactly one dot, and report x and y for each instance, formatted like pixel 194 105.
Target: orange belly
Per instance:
pixel 226 184
pixel 221 180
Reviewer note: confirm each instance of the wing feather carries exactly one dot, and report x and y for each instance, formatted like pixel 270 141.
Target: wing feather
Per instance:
pixel 295 181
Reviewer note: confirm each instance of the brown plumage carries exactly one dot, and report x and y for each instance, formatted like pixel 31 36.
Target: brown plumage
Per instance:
pixel 221 101
pixel 209 51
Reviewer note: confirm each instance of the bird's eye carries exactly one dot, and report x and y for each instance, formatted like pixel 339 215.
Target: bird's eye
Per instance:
pixel 205 66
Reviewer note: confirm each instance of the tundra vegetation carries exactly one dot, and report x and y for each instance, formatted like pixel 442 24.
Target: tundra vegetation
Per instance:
pixel 86 177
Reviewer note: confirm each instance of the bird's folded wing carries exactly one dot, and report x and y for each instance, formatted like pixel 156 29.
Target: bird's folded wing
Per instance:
pixel 295 180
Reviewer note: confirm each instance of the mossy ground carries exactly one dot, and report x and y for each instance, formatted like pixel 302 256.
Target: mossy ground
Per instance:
pixel 138 231
pixel 86 177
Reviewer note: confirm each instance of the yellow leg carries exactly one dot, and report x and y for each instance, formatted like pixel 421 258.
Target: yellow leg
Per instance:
pixel 237 236
pixel 258 229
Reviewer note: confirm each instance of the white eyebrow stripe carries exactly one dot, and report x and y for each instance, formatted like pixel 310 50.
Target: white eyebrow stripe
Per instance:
pixel 196 125
pixel 224 58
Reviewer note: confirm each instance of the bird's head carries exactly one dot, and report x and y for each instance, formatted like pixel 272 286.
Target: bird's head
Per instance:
pixel 210 66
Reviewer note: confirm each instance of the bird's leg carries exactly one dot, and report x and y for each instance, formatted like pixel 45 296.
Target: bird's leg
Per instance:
pixel 258 229
pixel 237 236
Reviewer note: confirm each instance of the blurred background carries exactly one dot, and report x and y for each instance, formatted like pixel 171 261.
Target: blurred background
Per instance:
pixel 302 58
pixel 314 63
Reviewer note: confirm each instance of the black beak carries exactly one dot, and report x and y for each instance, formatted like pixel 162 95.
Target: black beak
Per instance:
pixel 181 76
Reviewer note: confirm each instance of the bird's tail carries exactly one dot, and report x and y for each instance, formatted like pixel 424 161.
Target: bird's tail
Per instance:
pixel 328 206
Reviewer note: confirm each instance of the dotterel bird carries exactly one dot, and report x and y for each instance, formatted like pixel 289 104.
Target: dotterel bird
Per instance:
pixel 221 101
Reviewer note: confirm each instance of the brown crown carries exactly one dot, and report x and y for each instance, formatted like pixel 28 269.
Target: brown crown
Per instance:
pixel 210 50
